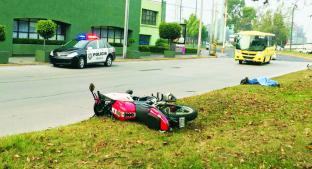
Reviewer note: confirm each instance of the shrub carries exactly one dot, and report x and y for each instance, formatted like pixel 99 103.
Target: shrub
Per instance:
pixel 2 33
pixel 162 43
pixel 144 48
pixel 190 50
pixel 37 41
pixel 131 41
pixel 170 31
pixel 157 49
pixel 116 44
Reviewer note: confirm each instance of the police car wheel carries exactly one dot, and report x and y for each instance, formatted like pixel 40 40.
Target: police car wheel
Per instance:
pixel 81 63
pixel 108 61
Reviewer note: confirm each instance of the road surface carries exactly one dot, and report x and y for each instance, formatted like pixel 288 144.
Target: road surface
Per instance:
pixel 40 97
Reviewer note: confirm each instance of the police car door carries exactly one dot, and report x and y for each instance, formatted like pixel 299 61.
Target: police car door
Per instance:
pixel 92 50
pixel 103 49
pixel 95 54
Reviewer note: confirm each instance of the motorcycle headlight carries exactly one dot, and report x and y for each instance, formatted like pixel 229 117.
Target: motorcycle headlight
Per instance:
pixel 72 55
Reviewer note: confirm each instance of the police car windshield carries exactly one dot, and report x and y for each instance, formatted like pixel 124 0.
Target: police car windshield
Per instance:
pixel 81 44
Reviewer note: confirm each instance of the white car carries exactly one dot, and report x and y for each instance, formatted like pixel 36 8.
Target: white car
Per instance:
pixel 85 52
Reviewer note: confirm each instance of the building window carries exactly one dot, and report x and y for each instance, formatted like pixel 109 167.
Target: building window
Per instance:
pixel 145 39
pixel 149 17
pixel 26 29
pixel 112 35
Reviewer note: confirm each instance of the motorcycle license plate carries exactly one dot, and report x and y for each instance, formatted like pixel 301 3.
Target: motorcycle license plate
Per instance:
pixel 181 122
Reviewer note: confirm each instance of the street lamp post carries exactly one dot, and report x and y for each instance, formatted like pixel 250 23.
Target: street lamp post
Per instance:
pixel 125 40
pixel 292 26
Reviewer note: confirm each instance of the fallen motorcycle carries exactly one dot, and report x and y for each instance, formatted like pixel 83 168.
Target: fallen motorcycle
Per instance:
pixel 158 112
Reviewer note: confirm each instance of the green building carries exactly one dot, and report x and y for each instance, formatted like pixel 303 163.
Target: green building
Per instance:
pixel 102 17
pixel 153 13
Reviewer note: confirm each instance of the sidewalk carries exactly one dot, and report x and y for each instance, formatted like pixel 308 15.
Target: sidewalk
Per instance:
pixel 31 60
pixel 24 61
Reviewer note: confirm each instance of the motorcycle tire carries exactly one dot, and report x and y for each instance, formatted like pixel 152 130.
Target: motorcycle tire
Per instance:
pixel 180 111
pixel 99 110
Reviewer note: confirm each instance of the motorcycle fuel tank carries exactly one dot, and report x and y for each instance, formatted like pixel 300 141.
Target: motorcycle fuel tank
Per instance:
pixel 124 110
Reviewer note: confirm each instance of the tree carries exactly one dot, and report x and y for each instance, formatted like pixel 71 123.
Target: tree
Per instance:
pixel 274 23
pixel 234 13
pixel 170 31
pixel 192 27
pixel 46 29
pixel 2 33
pixel 249 14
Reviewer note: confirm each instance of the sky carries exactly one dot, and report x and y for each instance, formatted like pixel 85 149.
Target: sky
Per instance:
pixel 301 17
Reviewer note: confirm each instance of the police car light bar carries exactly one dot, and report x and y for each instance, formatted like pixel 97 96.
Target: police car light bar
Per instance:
pixel 92 37
pixel 84 36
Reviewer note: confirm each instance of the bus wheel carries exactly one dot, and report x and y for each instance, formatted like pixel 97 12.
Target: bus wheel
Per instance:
pixel 240 62
pixel 269 60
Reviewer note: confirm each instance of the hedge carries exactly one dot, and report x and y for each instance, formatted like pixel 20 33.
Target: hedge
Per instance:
pixel 190 50
pixel 152 49
pixel 37 41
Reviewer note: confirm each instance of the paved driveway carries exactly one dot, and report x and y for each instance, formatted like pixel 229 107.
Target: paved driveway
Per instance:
pixel 39 97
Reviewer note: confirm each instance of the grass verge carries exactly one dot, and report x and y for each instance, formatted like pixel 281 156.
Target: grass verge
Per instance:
pixel 237 127
pixel 296 54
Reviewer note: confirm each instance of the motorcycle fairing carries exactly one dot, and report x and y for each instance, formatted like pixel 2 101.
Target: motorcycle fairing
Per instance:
pixel 120 96
pixel 124 110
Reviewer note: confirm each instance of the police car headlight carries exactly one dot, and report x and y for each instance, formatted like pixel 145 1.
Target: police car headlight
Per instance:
pixel 72 55
pixel 51 53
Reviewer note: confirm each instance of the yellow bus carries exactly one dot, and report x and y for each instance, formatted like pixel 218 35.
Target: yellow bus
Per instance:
pixel 254 46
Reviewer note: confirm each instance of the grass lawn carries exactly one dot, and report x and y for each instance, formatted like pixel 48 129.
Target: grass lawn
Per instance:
pixel 295 53
pixel 237 127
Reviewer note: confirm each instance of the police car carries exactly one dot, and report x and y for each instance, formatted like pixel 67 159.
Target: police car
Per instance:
pixel 88 50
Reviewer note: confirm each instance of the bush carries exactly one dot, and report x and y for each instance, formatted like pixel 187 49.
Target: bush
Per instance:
pixel 190 50
pixel 162 43
pixel 144 48
pixel 2 33
pixel 116 44
pixel 157 49
pixel 37 41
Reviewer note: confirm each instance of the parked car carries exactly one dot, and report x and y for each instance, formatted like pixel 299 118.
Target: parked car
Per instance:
pixel 88 50
pixel 207 45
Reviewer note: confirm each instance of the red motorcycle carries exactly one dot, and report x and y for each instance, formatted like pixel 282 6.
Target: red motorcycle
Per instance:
pixel 158 112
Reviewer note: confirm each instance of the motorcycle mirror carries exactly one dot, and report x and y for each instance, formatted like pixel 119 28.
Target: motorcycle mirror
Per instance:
pixel 91 87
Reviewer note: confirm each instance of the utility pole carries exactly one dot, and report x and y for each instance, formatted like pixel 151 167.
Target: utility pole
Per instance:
pixel 212 49
pixel 181 11
pixel 224 29
pixel 125 41
pixel 292 25
pixel 196 9
pixel 200 28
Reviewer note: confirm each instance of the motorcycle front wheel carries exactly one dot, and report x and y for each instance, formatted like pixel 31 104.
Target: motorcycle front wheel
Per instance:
pixel 99 110
pixel 178 111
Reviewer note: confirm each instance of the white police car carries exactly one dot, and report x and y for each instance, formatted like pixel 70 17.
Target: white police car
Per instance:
pixel 88 50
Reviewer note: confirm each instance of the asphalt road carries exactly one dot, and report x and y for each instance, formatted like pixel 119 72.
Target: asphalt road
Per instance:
pixel 39 97
pixel 229 53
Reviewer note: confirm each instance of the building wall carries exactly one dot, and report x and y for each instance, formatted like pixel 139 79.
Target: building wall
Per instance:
pixel 80 15
pixel 152 29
